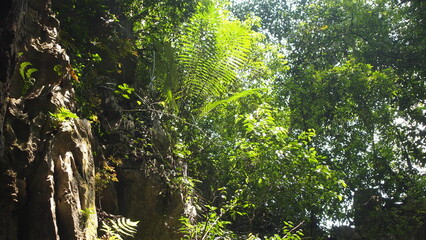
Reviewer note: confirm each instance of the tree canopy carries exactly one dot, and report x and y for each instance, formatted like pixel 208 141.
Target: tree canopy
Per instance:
pixel 274 112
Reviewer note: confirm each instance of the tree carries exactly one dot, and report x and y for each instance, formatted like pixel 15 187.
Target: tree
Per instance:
pixel 349 81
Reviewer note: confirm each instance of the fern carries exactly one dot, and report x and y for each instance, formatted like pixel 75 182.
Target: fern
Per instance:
pixel 26 72
pixel 212 49
pixel 210 106
pixel 119 228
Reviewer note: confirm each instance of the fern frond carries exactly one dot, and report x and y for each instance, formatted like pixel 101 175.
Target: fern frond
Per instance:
pixel 120 227
pixel 209 53
pixel 210 106
pixel 125 226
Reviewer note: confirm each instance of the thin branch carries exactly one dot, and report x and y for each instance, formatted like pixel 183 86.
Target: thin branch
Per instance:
pixel 294 229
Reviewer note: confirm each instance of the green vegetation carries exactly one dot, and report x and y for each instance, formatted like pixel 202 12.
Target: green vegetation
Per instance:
pixel 26 72
pixel 63 114
pixel 263 113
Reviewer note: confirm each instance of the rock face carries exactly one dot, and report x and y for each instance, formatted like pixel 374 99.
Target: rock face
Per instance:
pixel 146 199
pixel 11 22
pixel 47 170
pixel 47 167
pixel 143 191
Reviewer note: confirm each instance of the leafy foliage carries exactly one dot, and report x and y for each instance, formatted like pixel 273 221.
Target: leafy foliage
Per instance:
pixel 256 154
pixel 210 51
pixel 210 106
pixel 63 114
pixel 290 232
pixel 348 79
pixel 325 103
pixel 85 214
pixel 107 173
pixel 26 72
pixel 125 90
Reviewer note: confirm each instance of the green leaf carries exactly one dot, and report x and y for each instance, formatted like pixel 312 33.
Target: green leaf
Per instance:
pixel 22 69
pixel 63 114
pixel 210 106
pixel 58 69
pixel 30 72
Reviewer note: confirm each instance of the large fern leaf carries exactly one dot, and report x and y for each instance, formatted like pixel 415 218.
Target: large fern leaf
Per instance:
pixel 211 105
pixel 212 49
pixel 120 227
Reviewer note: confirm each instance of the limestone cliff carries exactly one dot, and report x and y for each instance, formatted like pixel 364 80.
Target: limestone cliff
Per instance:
pixel 47 168
pixel 47 165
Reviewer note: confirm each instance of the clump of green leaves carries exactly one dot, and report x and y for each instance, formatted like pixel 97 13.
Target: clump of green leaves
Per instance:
pixel 26 72
pixel 124 90
pixel 63 114
pixel 86 213
pixel 58 69
pixel 290 232
pixel 107 173
pixel 214 223
pixel 274 168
